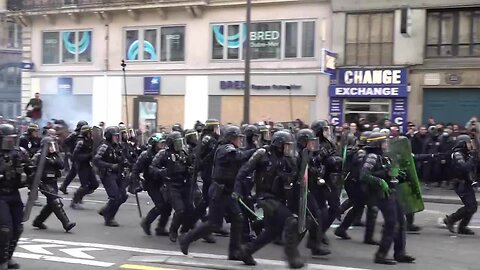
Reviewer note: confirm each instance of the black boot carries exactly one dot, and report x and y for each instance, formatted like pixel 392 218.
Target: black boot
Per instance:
pixel 236 229
pixel 40 219
pixel 4 252
pixel 404 258
pixel 162 223
pixel 381 258
pixel 11 248
pixel 200 231
pixel 12 264
pixel 314 242
pixel 77 198
pixel 462 227
pixel 245 255
pixel 148 220
pixel 291 242
pixel 58 210
pixel 174 226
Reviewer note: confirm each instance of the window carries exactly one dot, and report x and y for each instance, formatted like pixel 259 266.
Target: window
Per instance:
pixel 268 40
pixel 145 44
pixel 453 33
pixel 67 47
pixel 374 46
pixel 173 43
pixel 14 35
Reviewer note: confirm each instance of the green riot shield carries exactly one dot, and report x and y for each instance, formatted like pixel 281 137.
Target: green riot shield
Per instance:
pixel 303 181
pixel 409 192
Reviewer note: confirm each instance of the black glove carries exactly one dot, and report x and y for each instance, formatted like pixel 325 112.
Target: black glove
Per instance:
pixel 115 167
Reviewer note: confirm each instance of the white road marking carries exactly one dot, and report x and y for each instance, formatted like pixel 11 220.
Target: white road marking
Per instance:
pixel 40 249
pixel 79 252
pixel 176 253
pixel 89 201
pixel 441 224
pixel 62 259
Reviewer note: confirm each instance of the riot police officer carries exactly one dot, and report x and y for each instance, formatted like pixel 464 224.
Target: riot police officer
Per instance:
pixel 274 175
pixel 376 175
pixel 13 162
pixel 48 186
pixel 110 163
pixel 357 194
pixel 82 156
pixel 464 163
pixel 152 185
pixel 70 143
pixel 316 198
pixel 265 135
pixel 31 140
pixel 227 161
pixel 172 164
pixel 252 133
pixel 333 169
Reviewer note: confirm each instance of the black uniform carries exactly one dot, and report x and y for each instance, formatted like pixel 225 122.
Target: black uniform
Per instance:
pixel 358 194
pixel 110 162
pixel 30 143
pixel 173 166
pixel 155 189
pixel 227 162
pixel 375 174
pixel 82 156
pixel 273 177
pixel 464 164
pixel 70 143
pixel 13 162
pixel 48 186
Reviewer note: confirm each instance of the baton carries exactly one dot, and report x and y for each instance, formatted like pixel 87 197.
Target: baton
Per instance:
pixel 311 215
pixel 249 210
pixel 138 205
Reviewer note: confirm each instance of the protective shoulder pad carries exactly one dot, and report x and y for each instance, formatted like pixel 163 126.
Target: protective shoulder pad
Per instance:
pixel 230 148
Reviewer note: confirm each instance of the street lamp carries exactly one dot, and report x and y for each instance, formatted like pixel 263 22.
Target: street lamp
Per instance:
pixel 246 94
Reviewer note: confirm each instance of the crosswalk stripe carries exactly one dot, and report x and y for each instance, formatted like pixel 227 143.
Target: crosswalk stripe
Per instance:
pixel 143 267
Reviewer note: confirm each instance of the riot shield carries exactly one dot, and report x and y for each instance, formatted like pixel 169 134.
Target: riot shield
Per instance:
pixel 33 195
pixel 409 192
pixel 303 181
pixel 97 138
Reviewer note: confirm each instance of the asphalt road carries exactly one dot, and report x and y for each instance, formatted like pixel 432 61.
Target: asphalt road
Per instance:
pixel 92 246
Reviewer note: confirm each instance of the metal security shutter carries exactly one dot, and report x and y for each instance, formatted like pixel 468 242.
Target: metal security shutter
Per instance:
pixel 214 107
pixel 451 105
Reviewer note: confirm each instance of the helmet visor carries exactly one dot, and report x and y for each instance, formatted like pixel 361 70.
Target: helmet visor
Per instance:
pixel 192 137
pixel 178 144
pixel 289 149
pixel 266 135
pixel 9 142
pixel 53 147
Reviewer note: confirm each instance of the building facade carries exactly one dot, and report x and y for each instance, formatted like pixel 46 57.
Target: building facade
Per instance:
pixel 184 59
pixel 433 46
pixel 10 65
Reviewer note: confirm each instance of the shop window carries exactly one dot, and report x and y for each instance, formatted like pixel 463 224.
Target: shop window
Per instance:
pixel 166 44
pixel 373 110
pixel 67 47
pixel 374 44
pixel 453 33
pixel 268 40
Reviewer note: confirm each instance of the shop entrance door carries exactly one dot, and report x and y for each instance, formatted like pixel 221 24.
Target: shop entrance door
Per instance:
pixel 373 110
pixel 145 113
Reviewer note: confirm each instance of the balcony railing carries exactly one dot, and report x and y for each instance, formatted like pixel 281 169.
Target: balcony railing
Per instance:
pixel 30 5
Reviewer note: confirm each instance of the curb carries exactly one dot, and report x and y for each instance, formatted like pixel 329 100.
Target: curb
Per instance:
pixel 443 200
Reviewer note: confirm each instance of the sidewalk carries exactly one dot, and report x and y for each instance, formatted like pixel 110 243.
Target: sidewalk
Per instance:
pixel 441 195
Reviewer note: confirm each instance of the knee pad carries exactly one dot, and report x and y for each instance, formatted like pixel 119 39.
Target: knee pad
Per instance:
pixel 471 209
pixel 5 234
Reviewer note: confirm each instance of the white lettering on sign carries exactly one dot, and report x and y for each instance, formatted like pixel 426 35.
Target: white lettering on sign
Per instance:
pixel 264 35
pixel 372 77
pixel 366 91
pixel 398 120
pixel 335 121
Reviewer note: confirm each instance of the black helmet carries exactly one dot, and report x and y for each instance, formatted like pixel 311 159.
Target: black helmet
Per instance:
pixel 31 128
pixel 85 130
pixel 375 140
pixel 304 136
pixel 51 143
pixel 110 132
pixel 319 126
pixel 80 124
pixel 8 137
pixel 191 137
pixel 198 126
pixel 175 141
pixel 212 125
pixel 462 141
pixel 231 132
pixel 251 130
pixel 277 127
pixel 362 141
pixel 177 127
pixel 283 141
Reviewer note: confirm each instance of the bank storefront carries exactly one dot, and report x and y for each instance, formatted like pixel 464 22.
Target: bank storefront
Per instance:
pixel 374 94
pixel 273 97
